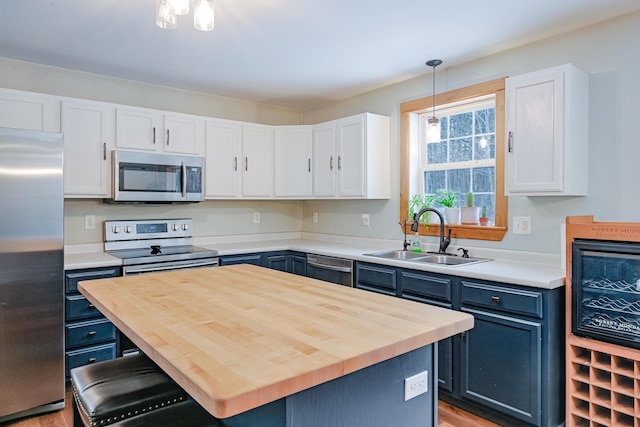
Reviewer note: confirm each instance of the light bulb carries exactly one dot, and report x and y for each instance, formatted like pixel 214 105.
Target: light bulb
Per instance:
pixel 165 18
pixel 433 130
pixel 203 16
pixel 180 7
pixel 483 142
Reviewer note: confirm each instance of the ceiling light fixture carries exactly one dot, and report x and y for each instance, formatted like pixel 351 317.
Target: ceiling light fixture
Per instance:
pixel 433 123
pixel 168 10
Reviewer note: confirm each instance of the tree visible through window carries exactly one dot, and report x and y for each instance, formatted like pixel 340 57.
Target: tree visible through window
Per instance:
pixel 464 159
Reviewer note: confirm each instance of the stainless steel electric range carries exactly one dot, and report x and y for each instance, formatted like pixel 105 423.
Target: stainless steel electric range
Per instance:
pixel 147 246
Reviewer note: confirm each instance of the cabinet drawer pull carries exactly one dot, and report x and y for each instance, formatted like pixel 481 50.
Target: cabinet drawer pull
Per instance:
pixel 92 360
pixel 92 334
pixel 91 306
pixel 495 299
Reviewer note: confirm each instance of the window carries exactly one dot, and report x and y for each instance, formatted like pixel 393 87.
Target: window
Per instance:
pixel 461 162
pixel 464 160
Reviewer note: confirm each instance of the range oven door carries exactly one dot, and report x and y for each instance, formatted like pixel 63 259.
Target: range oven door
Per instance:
pixel 605 288
pixel 131 270
pixel 151 177
pixel 330 269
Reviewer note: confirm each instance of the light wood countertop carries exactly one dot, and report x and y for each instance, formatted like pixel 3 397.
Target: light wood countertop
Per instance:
pixel 240 336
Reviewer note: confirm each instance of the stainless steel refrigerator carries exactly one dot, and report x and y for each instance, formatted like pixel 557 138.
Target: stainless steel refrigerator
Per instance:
pixel 31 273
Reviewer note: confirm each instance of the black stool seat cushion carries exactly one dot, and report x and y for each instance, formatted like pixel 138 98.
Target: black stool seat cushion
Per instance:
pixel 186 413
pixel 121 388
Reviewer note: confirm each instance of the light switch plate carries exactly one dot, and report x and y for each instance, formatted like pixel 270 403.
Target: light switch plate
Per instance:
pixel 416 385
pixel 521 225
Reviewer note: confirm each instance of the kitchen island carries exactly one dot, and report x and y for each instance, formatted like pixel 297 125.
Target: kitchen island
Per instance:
pixel 261 347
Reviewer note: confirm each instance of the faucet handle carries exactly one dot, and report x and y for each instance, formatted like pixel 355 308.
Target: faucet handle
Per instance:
pixel 465 252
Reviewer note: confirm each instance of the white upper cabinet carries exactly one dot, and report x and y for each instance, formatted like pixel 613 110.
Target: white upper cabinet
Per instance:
pixel 28 110
pixel 546 133
pixel 223 159
pixel 324 160
pixel 257 161
pixel 89 132
pixel 292 161
pixel 357 166
pixel 152 130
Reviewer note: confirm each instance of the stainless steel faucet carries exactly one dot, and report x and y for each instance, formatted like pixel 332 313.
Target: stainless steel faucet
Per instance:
pixel 444 241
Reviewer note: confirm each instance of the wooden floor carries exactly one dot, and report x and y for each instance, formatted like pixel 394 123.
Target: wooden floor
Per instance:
pixel 449 415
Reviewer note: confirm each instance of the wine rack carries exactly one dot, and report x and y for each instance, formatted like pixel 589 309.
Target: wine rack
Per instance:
pixel 604 387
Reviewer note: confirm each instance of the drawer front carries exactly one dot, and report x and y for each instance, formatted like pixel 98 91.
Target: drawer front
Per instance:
pixel 377 279
pixel 72 277
pixel 421 285
pixel 84 356
pixel 89 333
pixel 519 301
pixel 78 307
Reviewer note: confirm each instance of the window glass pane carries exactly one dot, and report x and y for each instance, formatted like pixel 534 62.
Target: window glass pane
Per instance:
pixel 437 152
pixel 459 181
pixel 485 121
pixel 484 179
pixel 484 150
pixel 461 125
pixel 460 150
pixel 488 202
pixel 434 180
pixel 444 128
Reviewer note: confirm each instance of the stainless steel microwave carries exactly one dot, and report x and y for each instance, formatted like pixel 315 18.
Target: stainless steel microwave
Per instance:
pixel 156 178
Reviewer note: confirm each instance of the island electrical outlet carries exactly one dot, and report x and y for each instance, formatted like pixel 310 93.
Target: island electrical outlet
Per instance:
pixel 416 385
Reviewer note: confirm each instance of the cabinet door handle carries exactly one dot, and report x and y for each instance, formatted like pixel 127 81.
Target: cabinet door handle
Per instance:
pixel 167 136
pixel 246 163
pixel 235 163
pixel 154 135
pixel 92 334
pixel 309 165
pixel 495 299
pixel 339 163
pixel 331 163
pixel 92 306
pixel 510 144
pixel 104 151
pixel 92 360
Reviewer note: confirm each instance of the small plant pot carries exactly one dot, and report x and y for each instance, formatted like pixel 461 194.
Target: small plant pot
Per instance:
pixel 452 215
pixel 484 221
pixel 470 215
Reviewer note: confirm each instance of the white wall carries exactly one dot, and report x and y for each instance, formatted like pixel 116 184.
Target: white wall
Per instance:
pixel 607 51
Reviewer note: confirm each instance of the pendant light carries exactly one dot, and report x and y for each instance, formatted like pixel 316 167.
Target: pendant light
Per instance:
pixel 433 123
pixel 168 10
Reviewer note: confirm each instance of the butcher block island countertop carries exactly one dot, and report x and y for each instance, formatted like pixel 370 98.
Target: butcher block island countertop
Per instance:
pixel 238 337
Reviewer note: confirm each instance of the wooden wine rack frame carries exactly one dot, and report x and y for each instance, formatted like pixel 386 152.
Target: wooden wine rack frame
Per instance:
pixel 603 379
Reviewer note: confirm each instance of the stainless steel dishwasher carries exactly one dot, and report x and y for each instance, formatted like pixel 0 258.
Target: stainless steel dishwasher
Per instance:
pixel 330 269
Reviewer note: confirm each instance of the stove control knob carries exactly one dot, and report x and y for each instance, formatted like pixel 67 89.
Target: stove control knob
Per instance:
pixel 128 229
pixel 175 227
pixel 115 230
pixel 185 227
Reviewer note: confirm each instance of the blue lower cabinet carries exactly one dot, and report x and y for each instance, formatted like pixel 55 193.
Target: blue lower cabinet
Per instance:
pixel 501 365
pixel 87 355
pixel 254 259
pixel 510 366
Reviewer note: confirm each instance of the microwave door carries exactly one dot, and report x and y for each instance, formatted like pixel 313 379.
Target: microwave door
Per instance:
pixel 150 182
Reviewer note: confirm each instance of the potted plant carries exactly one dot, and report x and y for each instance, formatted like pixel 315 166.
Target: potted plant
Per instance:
pixel 483 219
pixel 420 201
pixel 448 199
pixel 470 214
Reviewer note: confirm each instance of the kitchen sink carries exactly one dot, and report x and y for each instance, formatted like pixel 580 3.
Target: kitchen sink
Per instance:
pixel 402 255
pixel 428 258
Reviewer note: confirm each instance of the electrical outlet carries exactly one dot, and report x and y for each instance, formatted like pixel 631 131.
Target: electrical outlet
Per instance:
pixel 256 217
pixel 416 385
pixel 365 218
pixel 315 217
pixel 521 225
pixel 89 222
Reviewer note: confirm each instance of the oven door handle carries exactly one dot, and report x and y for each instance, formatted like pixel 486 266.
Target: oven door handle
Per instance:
pixel 132 269
pixel 330 267
pixel 184 179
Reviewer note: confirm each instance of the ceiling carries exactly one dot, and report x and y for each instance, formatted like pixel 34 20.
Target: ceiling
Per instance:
pixel 299 54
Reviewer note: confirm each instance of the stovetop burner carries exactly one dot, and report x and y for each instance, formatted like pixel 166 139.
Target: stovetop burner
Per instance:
pixel 164 253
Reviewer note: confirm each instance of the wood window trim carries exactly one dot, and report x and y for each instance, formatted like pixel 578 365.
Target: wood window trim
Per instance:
pixel 499 229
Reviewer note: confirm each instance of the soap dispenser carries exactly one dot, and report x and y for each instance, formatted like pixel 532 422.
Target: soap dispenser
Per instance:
pixel 415 245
